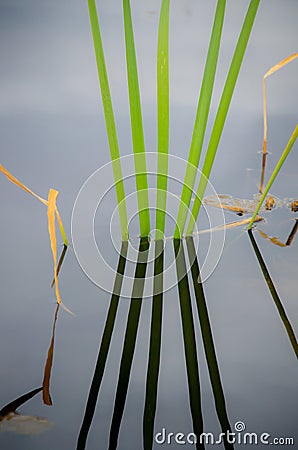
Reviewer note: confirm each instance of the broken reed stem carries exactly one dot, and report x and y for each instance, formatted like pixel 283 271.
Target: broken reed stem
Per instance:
pixel 272 70
pixel 274 173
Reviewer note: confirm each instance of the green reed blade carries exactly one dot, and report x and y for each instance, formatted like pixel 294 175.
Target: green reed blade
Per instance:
pixel 136 122
pixel 109 117
pixel 224 107
pixel 162 116
pixel 274 173
pixel 201 116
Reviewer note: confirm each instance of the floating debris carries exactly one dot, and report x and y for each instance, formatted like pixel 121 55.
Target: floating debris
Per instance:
pixel 240 205
pixel 11 420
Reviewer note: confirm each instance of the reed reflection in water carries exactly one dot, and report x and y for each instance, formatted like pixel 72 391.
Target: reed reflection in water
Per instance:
pixel 184 278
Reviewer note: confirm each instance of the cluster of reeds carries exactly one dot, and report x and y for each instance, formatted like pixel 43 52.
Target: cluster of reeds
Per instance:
pixel 163 117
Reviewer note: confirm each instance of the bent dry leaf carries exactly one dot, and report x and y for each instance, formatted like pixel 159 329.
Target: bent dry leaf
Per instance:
pixel 42 200
pixel 52 232
pixel 277 241
pixel 45 202
pixel 237 223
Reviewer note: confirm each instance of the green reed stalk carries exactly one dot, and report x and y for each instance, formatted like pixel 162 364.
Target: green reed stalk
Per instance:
pixel 136 122
pixel 274 173
pixel 201 117
pixel 109 117
pixel 223 108
pixel 162 116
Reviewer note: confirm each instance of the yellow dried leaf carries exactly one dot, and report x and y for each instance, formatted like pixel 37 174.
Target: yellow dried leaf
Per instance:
pixel 272 239
pixel 42 200
pixel 281 64
pixel 21 185
pixel 237 223
pixel 52 232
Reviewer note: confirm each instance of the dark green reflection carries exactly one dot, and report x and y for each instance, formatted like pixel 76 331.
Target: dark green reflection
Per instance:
pixel 190 348
pixel 209 347
pixel 103 351
pixel 60 262
pixel 274 294
pixel 12 406
pixel 154 350
pixel 129 341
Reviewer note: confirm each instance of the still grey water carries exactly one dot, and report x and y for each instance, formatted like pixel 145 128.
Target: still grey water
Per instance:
pixel 53 135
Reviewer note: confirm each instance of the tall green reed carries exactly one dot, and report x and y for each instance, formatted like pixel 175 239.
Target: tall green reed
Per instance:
pixel 109 117
pixel 136 122
pixel 223 108
pixel 162 117
pixel 201 117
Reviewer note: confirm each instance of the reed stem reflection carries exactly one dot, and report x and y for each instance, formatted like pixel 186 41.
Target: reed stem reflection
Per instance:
pixel 129 341
pixel 275 296
pixel 154 349
pixel 190 348
pixel 46 397
pixel 103 351
pixel 208 343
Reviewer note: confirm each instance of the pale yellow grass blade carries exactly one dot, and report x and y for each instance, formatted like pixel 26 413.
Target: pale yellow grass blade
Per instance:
pixel 237 223
pixel 45 202
pixel 52 232
pixel 21 185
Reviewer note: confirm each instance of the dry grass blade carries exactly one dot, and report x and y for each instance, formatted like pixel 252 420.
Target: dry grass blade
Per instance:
pixel 272 239
pixel 21 185
pixel 45 202
pixel 277 241
pixel 52 232
pixel 42 200
pixel 271 71
pixel 237 223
